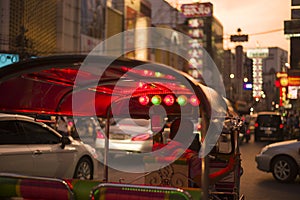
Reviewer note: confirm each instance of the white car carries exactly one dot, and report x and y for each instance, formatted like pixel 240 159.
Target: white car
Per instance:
pixel 282 159
pixel 29 147
pixel 127 135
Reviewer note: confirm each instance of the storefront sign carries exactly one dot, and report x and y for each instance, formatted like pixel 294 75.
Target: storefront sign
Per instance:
pixel 197 10
pixel 258 53
pixel 195 23
pixel 294 80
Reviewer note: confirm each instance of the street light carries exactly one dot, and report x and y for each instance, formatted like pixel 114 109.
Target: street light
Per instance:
pixel 231 86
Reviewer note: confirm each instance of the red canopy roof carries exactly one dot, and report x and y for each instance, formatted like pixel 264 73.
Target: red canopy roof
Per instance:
pixel 88 86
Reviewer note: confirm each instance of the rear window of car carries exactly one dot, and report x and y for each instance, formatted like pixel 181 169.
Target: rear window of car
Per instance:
pixel 269 120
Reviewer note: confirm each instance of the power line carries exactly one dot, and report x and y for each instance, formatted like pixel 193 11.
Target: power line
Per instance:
pixel 267 32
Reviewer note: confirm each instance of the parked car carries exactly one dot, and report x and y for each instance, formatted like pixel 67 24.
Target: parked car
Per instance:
pixel 268 126
pixel 30 147
pixel 282 159
pixel 127 135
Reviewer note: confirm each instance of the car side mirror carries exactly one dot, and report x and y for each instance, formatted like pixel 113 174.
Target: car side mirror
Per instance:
pixel 64 141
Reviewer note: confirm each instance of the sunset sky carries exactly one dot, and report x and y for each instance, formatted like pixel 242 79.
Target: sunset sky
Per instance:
pixel 254 18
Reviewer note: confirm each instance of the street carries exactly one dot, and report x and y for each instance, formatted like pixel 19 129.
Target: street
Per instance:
pixel 255 184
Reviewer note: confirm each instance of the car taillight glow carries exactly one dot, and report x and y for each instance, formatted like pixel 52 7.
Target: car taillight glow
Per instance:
pixel 194 100
pixel 199 126
pixel 248 131
pixel 169 100
pixel 144 100
pixel 156 100
pixel 141 137
pixel 100 135
pixel 281 126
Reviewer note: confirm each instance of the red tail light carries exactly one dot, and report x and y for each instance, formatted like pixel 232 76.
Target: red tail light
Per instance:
pixel 199 127
pixel 69 183
pixel 141 137
pixel 248 131
pixel 256 124
pixel 100 135
pixel 281 126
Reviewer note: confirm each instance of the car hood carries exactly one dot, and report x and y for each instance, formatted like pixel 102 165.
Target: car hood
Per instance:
pixel 289 143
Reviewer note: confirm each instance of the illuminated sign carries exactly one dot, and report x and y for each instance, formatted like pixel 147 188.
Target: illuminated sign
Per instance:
pixel 196 33
pixel 281 74
pixel 195 23
pixel 294 80
pixel 257 78
pixel 6 59
pixel 293 92
pixel 197 10
pixel 247 86
pixel 258 53
pixel 284 81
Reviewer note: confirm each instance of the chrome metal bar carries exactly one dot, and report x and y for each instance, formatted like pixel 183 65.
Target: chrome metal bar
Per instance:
pixel 61 181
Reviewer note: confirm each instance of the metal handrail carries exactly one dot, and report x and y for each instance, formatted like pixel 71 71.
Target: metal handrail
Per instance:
pixel 61 181
pixel 156 189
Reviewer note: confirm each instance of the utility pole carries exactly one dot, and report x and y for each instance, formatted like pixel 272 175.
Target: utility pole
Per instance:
pixel 238 81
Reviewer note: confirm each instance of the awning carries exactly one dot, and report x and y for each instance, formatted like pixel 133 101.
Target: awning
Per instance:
pixel 87 86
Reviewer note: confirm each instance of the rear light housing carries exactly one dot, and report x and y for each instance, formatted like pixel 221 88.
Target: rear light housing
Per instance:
pixel 100 135
pixel 281 126
pixel 141 137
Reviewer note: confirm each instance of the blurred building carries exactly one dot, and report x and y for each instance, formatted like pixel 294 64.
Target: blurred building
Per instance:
pixel 163 15
pixel 292 31
pixel 136 14
pixel 207 35
pixel 29 27
pixel 37 28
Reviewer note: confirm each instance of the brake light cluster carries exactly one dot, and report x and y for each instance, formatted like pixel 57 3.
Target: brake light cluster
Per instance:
pixel 169 100
pixel 281 126
pixel 100 134
pixel 141 137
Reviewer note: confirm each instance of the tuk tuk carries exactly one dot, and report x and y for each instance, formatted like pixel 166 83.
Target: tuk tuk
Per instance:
pixel 109 88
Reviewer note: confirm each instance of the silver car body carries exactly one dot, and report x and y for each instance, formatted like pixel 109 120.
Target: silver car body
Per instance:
pixel 289 148
pixel 47 160
pixel 122 133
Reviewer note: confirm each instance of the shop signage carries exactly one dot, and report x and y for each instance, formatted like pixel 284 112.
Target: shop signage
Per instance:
pixel 197 10
pixel 258 53
pixel 294 80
